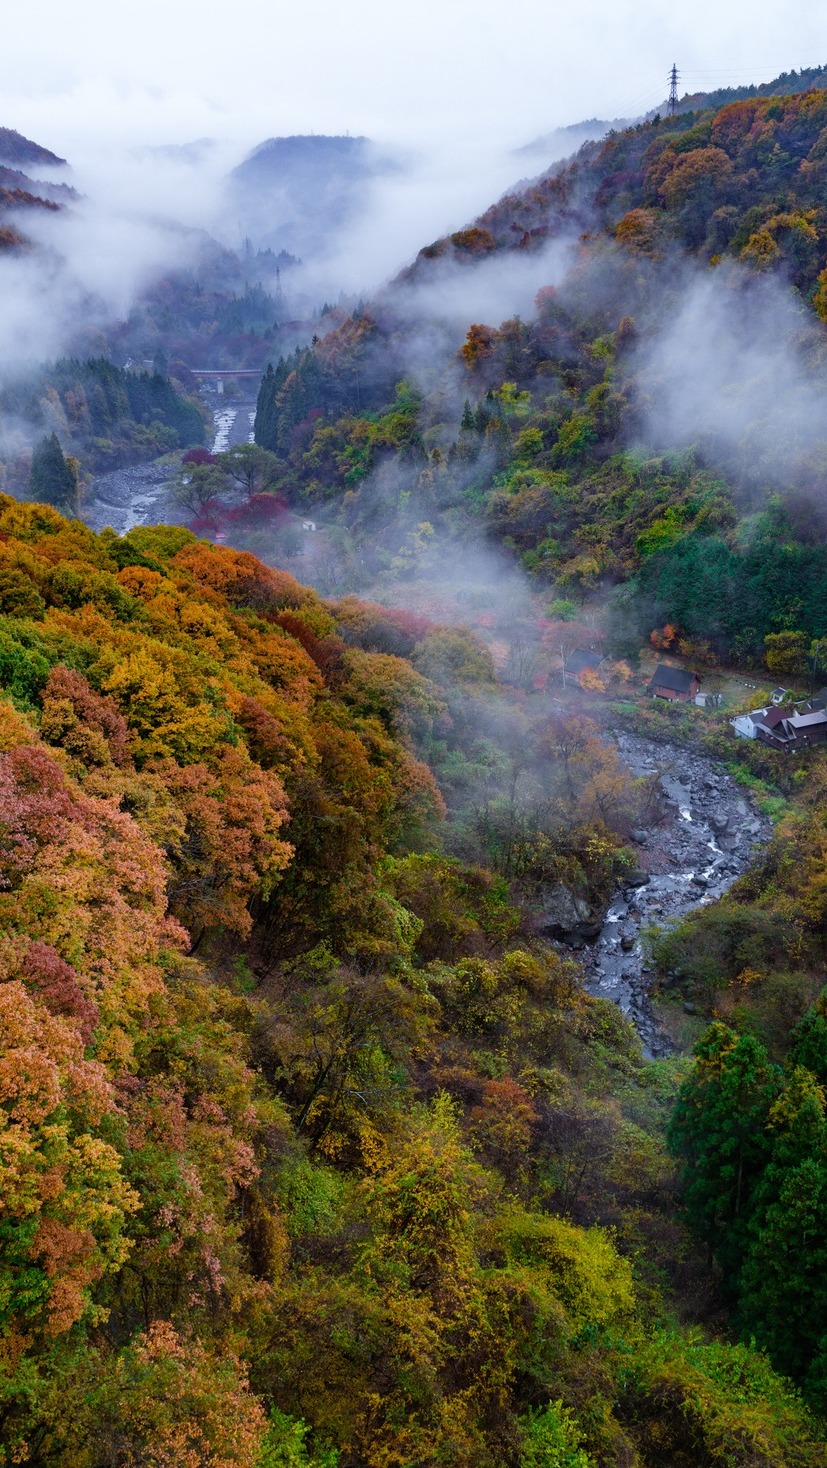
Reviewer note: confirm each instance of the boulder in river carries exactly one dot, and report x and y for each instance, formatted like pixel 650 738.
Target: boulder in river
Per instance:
pixel 718 820
pixel 566 915
pixel 638 878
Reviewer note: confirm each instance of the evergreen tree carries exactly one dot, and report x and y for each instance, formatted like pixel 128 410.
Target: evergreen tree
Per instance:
pixel 783 1302
pixel 810 1041
pixel 265 428
pixel 53 478
pixel 467 423
pixel 718 1130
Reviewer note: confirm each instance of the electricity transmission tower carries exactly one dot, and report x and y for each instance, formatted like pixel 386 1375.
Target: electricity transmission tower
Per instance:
pixel 673 89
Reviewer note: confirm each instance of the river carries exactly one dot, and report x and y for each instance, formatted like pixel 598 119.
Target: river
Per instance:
pixel 700 840
pixel 137 495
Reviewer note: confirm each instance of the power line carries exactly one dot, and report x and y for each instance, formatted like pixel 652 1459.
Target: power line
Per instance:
pixel 717 78
pixel 640 104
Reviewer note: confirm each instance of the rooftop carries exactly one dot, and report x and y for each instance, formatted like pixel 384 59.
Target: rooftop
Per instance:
pixel 770 718
pixel 808 721
pixel 579 662
pixel 678 678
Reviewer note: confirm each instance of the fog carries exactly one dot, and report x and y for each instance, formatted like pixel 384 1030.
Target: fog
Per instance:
pixel 729 365
pixel 153 107
pixel 158 72
pixel 143 211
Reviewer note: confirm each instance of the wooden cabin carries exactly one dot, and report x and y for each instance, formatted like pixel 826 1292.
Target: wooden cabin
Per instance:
pixel 676 684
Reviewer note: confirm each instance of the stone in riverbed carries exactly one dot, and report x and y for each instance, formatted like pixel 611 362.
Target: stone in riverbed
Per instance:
pixel 566 915
pixel 638 878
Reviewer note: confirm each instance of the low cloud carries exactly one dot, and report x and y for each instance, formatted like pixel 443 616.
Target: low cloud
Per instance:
pixel 736 364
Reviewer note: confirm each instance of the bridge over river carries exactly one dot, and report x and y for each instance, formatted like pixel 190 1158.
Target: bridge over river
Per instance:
pixel 219 375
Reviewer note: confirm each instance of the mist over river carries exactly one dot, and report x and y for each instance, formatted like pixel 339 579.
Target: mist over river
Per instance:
pixel 701 838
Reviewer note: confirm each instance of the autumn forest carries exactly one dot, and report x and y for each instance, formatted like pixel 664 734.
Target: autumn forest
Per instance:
pixel 320 1144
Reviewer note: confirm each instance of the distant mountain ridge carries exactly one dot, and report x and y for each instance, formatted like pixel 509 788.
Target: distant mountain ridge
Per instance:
pixel 294 193
pixel 784 85
pixel 15 149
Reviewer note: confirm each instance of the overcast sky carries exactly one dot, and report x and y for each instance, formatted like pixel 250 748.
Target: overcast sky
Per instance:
pixel 458 84
pixel 506 70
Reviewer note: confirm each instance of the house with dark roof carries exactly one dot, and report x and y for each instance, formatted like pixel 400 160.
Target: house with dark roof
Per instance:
pixel 809 728
pixel 676 684
pixel 583 662
pixel 783 728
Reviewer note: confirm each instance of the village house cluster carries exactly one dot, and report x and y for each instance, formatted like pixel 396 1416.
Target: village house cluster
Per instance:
pixel 784 724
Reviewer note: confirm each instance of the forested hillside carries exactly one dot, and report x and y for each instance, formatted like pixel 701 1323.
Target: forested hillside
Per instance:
pixel 654 422
pixel 313 1152
pixel 103 414
pixel 18 192
pixel 17 150
pixel 315 1149
pixel 647 442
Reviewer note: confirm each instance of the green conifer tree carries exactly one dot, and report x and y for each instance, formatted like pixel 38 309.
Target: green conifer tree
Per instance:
pixel 718 1130
pixel 783 1303
pixel 53 478
pixel 809 1046
pixel 265 428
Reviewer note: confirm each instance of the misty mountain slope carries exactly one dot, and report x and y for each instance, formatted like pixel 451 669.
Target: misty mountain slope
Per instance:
pixel 746 180
pixel 223 309
pixel 20 194
pixel 295 193
pixel 15 149
pixel 654 415
pixel 14 180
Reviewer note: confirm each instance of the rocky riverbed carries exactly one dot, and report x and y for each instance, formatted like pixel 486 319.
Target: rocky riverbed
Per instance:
pixel 137 495
pixel 702 835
